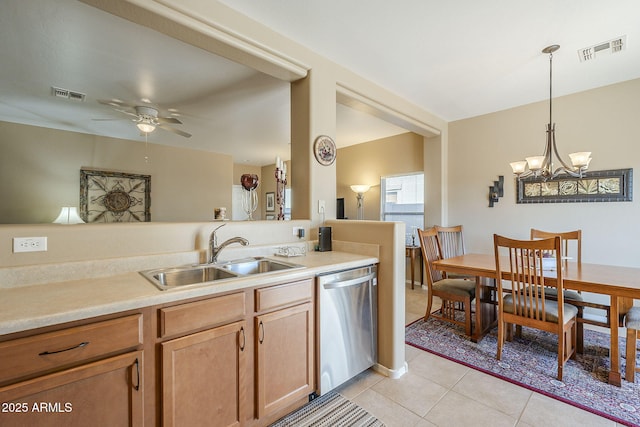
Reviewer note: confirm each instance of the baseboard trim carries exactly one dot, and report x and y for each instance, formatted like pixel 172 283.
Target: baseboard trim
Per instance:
pixel 391 373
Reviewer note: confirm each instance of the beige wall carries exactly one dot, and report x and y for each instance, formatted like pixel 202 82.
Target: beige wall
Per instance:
pixel 367 163
pixel 603 120
pixel 40 172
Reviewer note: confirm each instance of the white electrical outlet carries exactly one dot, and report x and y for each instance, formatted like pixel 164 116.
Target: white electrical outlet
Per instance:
pixel 29 244
pixel 321 206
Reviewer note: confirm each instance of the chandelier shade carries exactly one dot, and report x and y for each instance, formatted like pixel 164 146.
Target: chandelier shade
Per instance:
pixel 543 166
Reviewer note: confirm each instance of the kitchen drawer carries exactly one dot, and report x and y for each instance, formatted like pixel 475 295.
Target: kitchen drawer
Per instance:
pixel 284 295
pixel 196 315
pixel 49 351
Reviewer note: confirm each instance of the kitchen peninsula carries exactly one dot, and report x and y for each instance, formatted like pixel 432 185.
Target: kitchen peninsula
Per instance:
pixel 147 327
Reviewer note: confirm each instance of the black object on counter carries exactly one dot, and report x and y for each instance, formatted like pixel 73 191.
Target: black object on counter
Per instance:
pixel 324 239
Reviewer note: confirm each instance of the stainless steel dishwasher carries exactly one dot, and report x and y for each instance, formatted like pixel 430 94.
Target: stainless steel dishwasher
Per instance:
pixel 347 323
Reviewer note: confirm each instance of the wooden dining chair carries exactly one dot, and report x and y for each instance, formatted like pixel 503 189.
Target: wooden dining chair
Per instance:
pixel 451 240
pixel 632 323
pixel 452 244
pixel 572 246
pixel 456 294
pixel 569 238
pixel 522 293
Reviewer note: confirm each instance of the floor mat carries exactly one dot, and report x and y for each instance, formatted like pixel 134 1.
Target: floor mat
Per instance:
pixel 329 410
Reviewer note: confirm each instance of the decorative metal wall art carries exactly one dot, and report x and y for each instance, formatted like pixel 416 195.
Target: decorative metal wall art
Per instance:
pixel 107 196
pixel 598 186
pixel 496 191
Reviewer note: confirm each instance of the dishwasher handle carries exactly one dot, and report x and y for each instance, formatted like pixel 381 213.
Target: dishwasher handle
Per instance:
pixel 350 282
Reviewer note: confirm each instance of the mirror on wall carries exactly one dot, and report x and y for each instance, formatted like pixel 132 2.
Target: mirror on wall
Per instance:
pixel 77 80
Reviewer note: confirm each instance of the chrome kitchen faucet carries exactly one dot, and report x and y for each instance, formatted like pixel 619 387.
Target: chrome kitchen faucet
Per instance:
pixel 215 249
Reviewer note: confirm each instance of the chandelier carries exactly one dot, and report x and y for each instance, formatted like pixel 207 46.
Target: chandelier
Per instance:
pixel 542 166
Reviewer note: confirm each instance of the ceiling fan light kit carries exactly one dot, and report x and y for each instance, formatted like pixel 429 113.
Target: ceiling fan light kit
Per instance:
pixel 146 117
pixel 146 127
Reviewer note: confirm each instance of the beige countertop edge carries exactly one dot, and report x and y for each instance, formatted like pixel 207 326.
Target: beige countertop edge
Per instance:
pixel 38 306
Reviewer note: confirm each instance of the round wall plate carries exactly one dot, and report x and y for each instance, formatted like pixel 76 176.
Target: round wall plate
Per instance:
pixel 325 150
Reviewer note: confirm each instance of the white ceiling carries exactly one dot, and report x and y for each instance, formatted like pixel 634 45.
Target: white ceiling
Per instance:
pixel 455 59
pixel 462 58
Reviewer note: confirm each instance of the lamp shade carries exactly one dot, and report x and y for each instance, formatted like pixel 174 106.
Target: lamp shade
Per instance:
pixel 68 215
pixel 361 188
pixel 580 159
pixel 518 167
pixel 535 162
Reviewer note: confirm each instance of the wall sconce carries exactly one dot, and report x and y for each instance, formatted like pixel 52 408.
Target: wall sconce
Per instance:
pixel 68 215
pixel 360 190
pixel 496 191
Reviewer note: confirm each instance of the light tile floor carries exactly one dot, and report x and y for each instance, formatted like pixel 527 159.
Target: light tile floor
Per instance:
pixel 438 392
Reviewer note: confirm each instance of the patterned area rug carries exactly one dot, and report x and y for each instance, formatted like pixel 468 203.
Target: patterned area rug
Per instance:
pixel 531 362
pixel 329 410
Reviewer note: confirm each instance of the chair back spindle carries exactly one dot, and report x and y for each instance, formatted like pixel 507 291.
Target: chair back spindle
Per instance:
pixel 451 240
pixel 527 283
pixel 567 237
pixel 431 252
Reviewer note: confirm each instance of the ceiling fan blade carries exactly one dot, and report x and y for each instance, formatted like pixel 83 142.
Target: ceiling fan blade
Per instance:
pixel 176 131
pixel 115 103
pixel 126 112
pixel 169 120
pixel 105 120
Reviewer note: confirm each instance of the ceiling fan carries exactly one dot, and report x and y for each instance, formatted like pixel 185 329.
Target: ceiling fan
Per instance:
pixel 146 117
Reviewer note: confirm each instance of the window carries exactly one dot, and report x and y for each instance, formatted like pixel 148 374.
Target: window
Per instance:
pixel 287 203
pixel 402 199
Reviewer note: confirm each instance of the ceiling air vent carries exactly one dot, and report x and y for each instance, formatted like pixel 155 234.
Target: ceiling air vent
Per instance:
pixel 76 96
pixel 67 94
pixel 605 48
pixel 60 93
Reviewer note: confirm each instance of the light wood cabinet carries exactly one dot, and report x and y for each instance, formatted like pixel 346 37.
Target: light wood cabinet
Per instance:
pixel 204 369
pixel 108 392
pixel 203 378
pixel 240 359
pixel 284 347
pixel 224 366
pixel 41 353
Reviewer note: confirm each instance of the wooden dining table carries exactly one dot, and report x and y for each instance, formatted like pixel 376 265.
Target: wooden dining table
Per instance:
pixel 620 284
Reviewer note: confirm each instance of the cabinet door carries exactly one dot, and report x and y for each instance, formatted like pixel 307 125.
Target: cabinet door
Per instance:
pixel 203 381
pixel 285 354
pixel 104 393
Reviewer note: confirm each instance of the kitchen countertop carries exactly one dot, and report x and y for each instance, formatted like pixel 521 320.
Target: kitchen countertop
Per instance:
pixel 36 306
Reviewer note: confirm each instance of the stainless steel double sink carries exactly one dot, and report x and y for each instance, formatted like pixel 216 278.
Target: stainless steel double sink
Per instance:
pixel 174 277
